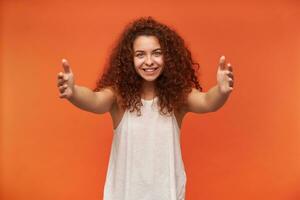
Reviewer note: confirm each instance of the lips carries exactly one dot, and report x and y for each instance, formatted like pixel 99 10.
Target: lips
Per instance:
pixel 150 69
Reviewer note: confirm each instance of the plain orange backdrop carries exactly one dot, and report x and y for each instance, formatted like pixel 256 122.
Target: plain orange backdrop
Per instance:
pixel 249 149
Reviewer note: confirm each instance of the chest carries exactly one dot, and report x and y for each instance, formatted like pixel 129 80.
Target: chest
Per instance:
pixel 117 114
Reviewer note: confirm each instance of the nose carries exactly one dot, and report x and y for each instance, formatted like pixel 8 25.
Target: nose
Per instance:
pixel 148 61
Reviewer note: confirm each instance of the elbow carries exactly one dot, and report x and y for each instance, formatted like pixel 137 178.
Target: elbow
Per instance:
pixel 215 109
pixel 100 112
pixel 212 108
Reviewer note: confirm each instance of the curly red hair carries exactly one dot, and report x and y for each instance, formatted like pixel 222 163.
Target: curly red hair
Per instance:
pixel 172 86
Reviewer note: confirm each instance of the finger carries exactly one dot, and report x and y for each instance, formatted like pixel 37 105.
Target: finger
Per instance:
pixel 63 95
pixel 222 62
pixel 229 67
pixel 60 75
pixel 62 88
pixel 230 74
pixel 66 66
pixel 230 82
pixel 60 82
pixel 66 77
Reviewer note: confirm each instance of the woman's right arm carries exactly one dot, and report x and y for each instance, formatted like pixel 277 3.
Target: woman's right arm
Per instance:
pixel 96 102
pixel 83 97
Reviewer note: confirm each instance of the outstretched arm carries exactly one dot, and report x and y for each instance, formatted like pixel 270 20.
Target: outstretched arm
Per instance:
pixel 215 98
pixel 82 97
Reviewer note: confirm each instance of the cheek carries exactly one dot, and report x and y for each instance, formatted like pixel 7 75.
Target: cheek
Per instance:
pixel 160 61
pixel 137 62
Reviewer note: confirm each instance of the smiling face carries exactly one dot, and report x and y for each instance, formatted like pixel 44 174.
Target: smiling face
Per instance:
pixel 148 57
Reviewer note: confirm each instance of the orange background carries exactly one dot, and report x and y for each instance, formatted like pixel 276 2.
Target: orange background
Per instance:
pixel 249 149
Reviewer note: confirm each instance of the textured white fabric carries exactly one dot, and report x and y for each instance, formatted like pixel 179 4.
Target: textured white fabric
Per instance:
pixel 145 160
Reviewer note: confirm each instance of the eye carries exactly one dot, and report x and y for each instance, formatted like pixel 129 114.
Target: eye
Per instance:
pixel 139 55
pixel 157 53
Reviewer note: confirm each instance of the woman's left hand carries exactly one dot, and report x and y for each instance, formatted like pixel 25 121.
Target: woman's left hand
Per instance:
pixel 225 76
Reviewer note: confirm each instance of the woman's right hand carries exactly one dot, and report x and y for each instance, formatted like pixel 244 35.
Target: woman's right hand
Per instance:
pixel 65 81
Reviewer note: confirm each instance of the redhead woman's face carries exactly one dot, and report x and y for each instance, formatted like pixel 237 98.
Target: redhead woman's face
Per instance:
pixel 148 57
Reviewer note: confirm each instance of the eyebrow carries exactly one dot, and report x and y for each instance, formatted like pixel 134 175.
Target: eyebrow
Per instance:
pixel 143 51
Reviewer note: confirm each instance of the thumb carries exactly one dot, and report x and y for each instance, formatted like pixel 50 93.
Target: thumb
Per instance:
pixel 222 62
pixel 66 66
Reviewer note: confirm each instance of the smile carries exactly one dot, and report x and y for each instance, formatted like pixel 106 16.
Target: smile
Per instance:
pixel 150 69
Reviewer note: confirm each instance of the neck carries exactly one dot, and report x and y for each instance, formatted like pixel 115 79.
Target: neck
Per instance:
pixel 148 90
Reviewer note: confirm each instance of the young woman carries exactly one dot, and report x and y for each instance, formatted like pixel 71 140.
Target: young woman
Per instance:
pixel 148 86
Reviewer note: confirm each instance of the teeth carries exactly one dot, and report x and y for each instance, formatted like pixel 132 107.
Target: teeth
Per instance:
pixel 149 70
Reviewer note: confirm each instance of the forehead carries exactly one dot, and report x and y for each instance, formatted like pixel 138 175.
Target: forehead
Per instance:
pixel 146 43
